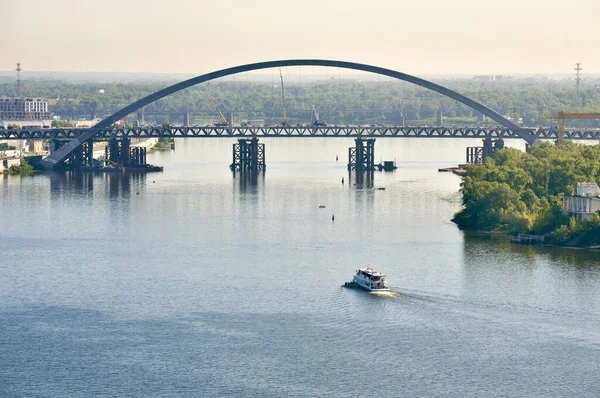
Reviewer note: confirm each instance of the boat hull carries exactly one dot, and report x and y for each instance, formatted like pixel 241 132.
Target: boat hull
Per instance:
pixel 364 285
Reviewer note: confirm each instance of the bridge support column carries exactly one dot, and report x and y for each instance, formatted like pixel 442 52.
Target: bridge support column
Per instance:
pixel 474 155
pixel 140 116
pixel 248 156
pixel 361 158
pixel 478 154
pixel 76 158
pixel 54 145
pixel 137 156
pixel 440 118
pixel 186 119
pixel 114 151
pixel 125 143
pixel 88 151
pixel 488 148
pixel 134 156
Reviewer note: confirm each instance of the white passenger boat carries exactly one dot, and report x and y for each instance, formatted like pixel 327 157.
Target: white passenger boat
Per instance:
pixel 371 280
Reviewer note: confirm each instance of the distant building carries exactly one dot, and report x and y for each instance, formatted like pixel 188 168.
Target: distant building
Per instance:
pixel 584 203
pixel 483 78
pixel 491 78
pixel 23 109
pixel 35 146
pixel 84 123
pixel 11 162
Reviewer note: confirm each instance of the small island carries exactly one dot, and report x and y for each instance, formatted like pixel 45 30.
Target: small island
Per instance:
pixel 550 191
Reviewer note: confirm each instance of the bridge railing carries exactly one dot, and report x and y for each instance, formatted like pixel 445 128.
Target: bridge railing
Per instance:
pixel 292 131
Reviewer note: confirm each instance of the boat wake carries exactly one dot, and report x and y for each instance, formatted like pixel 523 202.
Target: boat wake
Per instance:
pixel 387 293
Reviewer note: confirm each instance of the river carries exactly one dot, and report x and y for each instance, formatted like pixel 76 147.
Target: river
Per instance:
pixel 193 282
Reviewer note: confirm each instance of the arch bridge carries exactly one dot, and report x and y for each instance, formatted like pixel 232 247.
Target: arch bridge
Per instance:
pixel 60 155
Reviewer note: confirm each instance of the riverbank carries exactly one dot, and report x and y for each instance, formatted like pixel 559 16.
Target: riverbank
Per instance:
pixel 505 236
pixel 16 167
pixel 162 144
pixel 521 193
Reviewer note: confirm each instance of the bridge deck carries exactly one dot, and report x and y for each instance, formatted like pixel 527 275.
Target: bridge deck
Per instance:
pixel 294 131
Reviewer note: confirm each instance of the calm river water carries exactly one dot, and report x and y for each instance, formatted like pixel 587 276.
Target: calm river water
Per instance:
pixel 194 283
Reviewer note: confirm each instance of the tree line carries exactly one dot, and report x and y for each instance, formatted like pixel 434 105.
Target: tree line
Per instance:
pixel 340 101
pixel 521 192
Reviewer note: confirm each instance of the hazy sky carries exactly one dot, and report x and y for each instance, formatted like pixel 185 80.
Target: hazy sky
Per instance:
pixel 420 37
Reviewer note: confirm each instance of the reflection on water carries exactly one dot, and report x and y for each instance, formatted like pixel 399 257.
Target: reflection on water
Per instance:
pixel 77 183
pixel 497 244
pixel 361 180
pixel 195 282
pixel 248 183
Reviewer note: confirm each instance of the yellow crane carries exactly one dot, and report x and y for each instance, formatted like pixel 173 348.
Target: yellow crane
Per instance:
pixel 561 116
pixel 224 121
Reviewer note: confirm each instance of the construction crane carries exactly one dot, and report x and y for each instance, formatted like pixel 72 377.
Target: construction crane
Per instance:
pixel 224 121
pixel 561 116
pixel 317 122
pixel 285 123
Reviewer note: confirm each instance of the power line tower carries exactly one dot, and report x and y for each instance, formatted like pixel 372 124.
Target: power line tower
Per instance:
pixel 577 76
pixel 18 80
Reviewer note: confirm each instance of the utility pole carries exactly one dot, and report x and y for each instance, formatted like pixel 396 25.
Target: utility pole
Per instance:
pixel 19 80
pixel 577 76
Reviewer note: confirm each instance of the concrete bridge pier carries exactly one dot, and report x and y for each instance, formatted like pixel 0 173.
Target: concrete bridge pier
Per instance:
pixel 478 154
pixel 88 150
pixel 440 118
pixel 120 152
pixel 137 156
pixel 361 158
pixel 186 119
pixel 125 151
pixel 114 151
pixel 54 145
pixel 488 148
pixel 77 158
pixel 248 156
pixel 81 156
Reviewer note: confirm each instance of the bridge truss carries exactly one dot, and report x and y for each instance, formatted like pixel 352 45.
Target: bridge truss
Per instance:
pixel 294 131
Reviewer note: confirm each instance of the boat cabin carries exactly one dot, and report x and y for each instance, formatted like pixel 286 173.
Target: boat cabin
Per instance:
pixel 371 274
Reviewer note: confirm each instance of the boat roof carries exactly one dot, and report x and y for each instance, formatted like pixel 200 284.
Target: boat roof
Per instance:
pixel 371 271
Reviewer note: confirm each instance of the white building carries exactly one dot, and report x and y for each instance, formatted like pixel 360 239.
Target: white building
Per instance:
pixel 23 108
pixel 584 203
